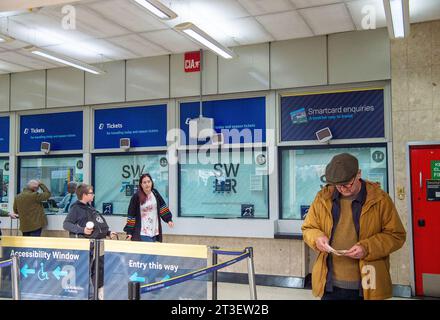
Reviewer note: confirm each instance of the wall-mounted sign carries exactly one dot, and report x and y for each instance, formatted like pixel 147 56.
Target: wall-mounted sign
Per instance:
pixel 145 126
pixel 4 134
pixel 243 120
pixel 64 131
pixel 350 114
pixel 433 190
pixel 435 169
pixel 192 61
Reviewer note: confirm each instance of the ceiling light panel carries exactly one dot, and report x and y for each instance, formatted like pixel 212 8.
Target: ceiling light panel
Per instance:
pixel 128 15
pixel 328 19
pixel 171 40
pixel 374 6
pixel 157 8
pixel 286 25
pixel 260 7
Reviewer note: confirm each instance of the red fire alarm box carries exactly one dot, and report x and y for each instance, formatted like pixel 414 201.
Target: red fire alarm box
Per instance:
pixel 192 61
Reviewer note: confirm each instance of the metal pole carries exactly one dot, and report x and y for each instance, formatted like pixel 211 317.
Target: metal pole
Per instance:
pixel 15 276
pixel 96 257
pixel 201 82
pixel 214 274
pixel 251 273
pixel 134 290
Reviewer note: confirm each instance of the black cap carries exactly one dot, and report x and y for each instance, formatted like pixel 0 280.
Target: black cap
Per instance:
pixel 341 169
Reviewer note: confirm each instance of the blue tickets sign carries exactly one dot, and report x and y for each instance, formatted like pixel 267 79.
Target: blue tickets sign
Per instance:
pixel 64 131
pixel 52 274
pixel 235 114
pixel 349 115
pixel 4 134
pixel 145 126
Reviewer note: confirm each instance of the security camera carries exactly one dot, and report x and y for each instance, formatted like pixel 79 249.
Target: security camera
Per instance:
pixel 124 143
pixel 45 147
pixel 324 135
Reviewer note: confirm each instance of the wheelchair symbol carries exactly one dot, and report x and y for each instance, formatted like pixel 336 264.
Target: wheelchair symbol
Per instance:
pixel 42 275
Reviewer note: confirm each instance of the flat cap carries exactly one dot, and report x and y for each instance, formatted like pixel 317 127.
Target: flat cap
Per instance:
pixel 341 169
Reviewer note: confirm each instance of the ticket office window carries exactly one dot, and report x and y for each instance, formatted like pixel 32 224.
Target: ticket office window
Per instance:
pixel 4 185
pixel 302 173
pixel 116 179
pixel 223 184
pixel 55 172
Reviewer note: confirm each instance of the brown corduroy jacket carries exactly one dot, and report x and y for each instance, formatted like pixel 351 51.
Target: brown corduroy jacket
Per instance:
pixel 28 205
pixel 381 232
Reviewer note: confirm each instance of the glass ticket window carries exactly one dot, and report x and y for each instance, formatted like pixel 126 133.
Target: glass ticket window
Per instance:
pixel 4 185
pixel 55 173
pixel 116 179
pixel 302 173
pixel 223 184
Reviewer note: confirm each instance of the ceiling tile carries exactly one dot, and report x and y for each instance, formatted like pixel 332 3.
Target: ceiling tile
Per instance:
pixel 425 10
pixel 328 19
pixel 313 3
pixel 171 40
pixel 249 31
pixel 10 67
pixel 26 59
pixel 139 45
pixel 128 14
pixel 287 25
pixel 362 10
pixel 260 7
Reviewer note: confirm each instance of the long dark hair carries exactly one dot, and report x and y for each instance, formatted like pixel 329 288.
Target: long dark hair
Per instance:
pixel 141 193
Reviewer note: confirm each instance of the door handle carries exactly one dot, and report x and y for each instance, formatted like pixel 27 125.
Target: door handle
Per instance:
pixel 420 180
pixel 421 222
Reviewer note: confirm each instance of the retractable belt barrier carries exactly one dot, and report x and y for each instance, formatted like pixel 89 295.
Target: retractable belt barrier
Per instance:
pixel 136 289
pixel 14 264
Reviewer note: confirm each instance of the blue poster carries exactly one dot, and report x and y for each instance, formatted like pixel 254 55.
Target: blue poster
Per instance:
pixel 239 114
pixel 153 262
pixel 64 131
pixel 145 126
pixel 349 115
pixel 52 274
pixel 4 134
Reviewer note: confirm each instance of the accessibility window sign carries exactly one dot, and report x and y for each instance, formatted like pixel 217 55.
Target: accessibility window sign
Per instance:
pixel 49 271
pixel 150 263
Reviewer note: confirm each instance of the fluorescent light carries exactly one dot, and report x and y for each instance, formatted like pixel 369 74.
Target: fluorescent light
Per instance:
pixel 65 60
pixel 397 14
pixel 158 9
pixel 204 39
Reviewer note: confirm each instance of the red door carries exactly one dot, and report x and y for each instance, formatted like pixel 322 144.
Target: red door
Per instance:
pixel 425 187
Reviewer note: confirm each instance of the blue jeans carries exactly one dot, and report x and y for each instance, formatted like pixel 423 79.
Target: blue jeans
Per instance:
pixel 342 294
pixel 148 239
pixel 35 233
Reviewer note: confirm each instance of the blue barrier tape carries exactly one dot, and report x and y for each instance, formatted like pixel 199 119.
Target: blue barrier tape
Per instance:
pixel 5 263
pixel 228 253
pixel 191 275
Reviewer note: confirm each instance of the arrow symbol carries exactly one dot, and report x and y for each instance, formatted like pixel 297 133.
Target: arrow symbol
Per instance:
pixel 25 270
pixel 58 273
pixel 166 278
pixel 134 277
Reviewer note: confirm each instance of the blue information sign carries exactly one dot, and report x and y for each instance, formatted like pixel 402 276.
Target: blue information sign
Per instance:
pixel 52 274
pixel 64 131
pixel 145 126
pixel 4 134
pixel 120 268
pixel 238 114
pixel 349 115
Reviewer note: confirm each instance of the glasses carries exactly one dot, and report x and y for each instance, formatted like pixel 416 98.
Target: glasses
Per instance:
pixel 346 186
pixel 90 193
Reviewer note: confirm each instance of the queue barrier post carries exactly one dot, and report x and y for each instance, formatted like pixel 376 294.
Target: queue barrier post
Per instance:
pixel 214 261
pixel 251 274
pixel 15 278
pixel 134 290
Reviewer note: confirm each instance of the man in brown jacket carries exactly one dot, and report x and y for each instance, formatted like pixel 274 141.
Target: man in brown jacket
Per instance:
pixel 354 226
pixel 29 209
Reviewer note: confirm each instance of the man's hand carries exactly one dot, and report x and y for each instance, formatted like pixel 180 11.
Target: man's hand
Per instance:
pixel 322 244
pixel 13 215
pixel 356 252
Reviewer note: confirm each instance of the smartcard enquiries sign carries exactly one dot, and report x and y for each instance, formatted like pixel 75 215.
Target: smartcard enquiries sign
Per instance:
pixel 349 114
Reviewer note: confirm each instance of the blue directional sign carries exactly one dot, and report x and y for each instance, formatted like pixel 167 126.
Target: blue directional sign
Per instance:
pixel 145 126
pixel 4 134
pixel 64 131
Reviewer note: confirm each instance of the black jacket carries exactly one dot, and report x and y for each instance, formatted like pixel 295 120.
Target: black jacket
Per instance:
pixel 134 221
pixel 79 215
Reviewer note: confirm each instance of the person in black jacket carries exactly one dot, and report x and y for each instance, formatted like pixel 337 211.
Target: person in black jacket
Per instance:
pixel 77 222
pixel 145 211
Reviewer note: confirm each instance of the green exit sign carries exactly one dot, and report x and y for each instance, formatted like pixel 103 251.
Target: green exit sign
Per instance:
pixel 435 169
